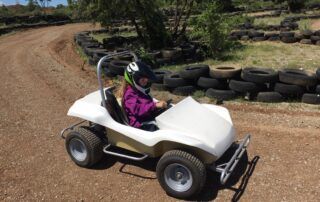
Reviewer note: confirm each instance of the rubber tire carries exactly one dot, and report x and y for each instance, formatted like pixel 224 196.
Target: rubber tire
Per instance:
pixel 317 90
pixel 221 94
pixel 269 97
pixel 171 53
pixel 311 98
pixel 93 143
pixel 289 89
pixel 118 66
pixel 297 77
pixel 194 71
pixel 259 75
pixel 174 81
pixel 306 41
pixel 318 73
pixel 196 167
pixel 288 39
pixel 184 90
pixel 225 72
pixel 206 83
pixel 245 86
pixel 159 87
pixel 160 74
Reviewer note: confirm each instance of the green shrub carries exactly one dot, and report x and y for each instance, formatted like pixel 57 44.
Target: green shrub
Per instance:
pixel 212 28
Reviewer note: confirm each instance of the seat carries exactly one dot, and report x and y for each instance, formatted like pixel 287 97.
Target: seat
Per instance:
pixel 114 108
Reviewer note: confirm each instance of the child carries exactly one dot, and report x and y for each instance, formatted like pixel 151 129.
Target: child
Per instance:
pixel 139 106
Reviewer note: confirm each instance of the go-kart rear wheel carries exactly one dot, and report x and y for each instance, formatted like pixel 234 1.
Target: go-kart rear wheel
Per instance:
pixel 84 146
pixel 181 174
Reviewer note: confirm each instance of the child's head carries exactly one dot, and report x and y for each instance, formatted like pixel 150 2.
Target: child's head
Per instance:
pixel 140 76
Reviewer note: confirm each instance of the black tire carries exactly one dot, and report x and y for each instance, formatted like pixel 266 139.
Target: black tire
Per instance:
pixel 259 75
pixel 174 81
pixel 311 98
pixel 317 90
pixel 89 141
pixel 194 71
pixel 306 34
pixel 118 66
pixel 159 87
pixel 286 34
pixel 225 72
pixel 289 90
pixel 160 74
pixel 314 39
pixel 318 73
pixel 306 41
pixel 92 61
pixel 184 90
pixel 274 38
pixel 260 38
pixel 206 83
pixel 297 77
pixel 246 86
pixel 187 164
pixel 253 34
pixel 269 97
pixel 221 94
pixel 288 39
pixel 188 50
pixel 163 61
pixel 93 51
pixel 108 73
pixel 171 53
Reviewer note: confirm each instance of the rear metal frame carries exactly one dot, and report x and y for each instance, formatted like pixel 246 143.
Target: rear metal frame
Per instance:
pixel 226 169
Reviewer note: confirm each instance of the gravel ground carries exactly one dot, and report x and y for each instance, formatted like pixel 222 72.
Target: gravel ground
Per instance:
pixel 41 76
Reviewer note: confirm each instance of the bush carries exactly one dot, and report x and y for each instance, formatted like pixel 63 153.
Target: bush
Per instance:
pixel 296 5
pixel 212 28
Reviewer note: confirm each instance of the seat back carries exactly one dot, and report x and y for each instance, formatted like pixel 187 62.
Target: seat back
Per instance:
pixel 113 107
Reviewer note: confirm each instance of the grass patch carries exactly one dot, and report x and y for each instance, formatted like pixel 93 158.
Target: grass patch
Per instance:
pixel 304 24
pixel 100 37
pixel 80 52
pixel 275 55
pixel 268 21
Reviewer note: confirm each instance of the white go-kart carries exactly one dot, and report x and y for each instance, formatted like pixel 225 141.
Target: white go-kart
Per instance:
pixel 190 139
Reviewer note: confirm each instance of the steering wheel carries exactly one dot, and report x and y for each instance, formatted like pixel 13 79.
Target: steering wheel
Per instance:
pixel 169 103
pixel 165 109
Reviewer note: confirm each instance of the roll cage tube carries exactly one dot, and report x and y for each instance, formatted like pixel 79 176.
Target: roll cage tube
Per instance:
pixel 104 58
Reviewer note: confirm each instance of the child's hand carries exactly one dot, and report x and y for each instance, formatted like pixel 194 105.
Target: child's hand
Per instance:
pixel 161 105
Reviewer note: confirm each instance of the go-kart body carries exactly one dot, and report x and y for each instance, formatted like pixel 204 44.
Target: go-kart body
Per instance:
pixel 203 129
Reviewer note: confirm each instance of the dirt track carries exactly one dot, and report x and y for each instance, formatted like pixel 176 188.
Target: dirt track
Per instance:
pixel 41 76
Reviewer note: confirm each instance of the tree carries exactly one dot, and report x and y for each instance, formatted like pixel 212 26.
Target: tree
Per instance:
pixel 32 5
pixel 43 3
pixel 144 15
pixel 293 5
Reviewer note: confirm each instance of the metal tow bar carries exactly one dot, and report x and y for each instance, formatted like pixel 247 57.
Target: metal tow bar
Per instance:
pixel 227 168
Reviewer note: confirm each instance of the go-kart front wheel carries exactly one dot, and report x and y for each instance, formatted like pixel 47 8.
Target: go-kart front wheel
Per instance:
pixel 84 147
pixel 181 174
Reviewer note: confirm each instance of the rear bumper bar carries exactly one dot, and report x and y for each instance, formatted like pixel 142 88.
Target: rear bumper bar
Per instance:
pixel 226 169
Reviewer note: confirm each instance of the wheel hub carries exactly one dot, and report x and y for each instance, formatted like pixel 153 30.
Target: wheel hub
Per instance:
pixel 178 177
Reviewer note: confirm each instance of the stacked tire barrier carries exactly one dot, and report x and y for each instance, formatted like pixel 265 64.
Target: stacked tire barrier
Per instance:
pixel 283 26
pixel 283 32
pixel 9 29
pixel 252 83
pixel 303 37
pixel 94 50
